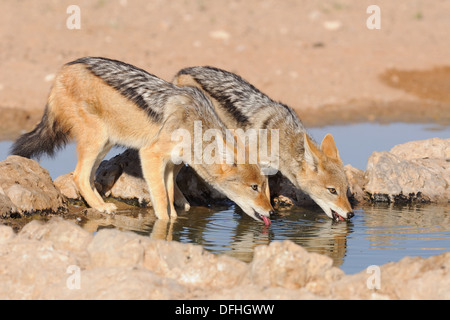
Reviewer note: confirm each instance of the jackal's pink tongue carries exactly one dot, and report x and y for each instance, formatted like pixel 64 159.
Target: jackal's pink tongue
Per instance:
pixel 266 220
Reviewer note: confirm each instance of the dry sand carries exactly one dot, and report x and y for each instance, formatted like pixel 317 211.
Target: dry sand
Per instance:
pixel 319 57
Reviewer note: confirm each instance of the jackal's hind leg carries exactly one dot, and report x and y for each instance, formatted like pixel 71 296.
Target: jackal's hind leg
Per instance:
pixel 179 198
pixel 169 180
pixel 99 159
pixel 90 153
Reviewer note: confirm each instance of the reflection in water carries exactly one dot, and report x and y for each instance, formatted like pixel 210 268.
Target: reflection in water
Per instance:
pixel 385 233
pixel 377 234
pixel 390 227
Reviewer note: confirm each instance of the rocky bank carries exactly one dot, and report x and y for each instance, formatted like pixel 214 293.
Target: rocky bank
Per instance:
pixel 26 188
pixel 60 260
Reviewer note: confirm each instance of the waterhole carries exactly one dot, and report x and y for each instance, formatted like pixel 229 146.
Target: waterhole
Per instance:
pixel 378 234
pixel 375 236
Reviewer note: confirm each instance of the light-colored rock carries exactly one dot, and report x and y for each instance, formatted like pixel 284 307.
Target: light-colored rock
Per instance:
pixel 59 260
pixel 287 265
pixel 64 234
pixel 424 279
pixel 435 148
pixel 191 265
pixel 356 181
pixel 6 234
pixel 67 186
pixel 116 283
pixel 254 292
pixel 415 171
pixel 410 278
pixel 7 208
pixel 119 177
pixel 332 25
pixel 27 267
pixel 220 35
pixel 282 202
pixel 113 248
pixel 29 187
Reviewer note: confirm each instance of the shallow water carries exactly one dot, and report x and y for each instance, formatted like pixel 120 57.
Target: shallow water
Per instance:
pixel 375 236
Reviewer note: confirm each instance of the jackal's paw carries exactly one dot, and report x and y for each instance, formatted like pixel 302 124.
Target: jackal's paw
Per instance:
pixel 107 208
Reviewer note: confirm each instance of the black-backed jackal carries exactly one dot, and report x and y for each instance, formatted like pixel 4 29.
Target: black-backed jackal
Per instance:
pixel 318 171
pixel 100 103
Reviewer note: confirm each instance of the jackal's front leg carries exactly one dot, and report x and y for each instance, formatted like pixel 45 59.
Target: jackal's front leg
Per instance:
pixel 154 169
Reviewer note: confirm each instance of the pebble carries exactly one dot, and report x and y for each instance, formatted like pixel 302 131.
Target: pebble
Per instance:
pixel 220 35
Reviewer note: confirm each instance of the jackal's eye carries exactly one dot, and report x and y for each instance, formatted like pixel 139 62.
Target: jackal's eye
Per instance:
pixel 332 190
pixel 254 187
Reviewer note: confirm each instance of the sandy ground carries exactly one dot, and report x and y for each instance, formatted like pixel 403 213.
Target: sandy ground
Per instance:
pixel 317 56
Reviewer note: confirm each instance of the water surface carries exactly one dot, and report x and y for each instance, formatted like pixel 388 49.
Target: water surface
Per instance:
pixel 376 235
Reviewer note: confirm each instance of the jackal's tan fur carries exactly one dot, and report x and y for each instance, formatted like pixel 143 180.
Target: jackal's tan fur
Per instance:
pixel 100 103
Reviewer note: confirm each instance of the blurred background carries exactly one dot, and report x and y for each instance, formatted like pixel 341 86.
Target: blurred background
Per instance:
pixel 319 57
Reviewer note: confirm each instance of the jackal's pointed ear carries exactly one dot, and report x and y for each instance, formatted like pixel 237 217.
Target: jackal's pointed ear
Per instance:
pixel 329 148
pixel 312 154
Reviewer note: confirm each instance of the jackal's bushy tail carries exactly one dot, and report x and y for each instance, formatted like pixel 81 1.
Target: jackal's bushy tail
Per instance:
pixel 47 137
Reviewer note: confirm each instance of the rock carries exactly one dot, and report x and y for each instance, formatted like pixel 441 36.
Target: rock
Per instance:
pixel 419 279
pixel 409 279
pixel 332 25
pixel 28 187
pixel 27 267
pixel 220 35
pixel 6 234
pixel 356 181
pixel 113 248
pixel 416 171
pixel 258 293
pixel 67 186
pixel 191 265
pixel 435 148
pixel 59 260
pixel 287 265
pixel 119 177
pixel 7 208
pixel 64 234
pixel 282 202
pixel 117 283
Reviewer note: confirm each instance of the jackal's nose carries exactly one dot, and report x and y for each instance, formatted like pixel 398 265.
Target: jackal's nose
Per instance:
pixel 350 215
